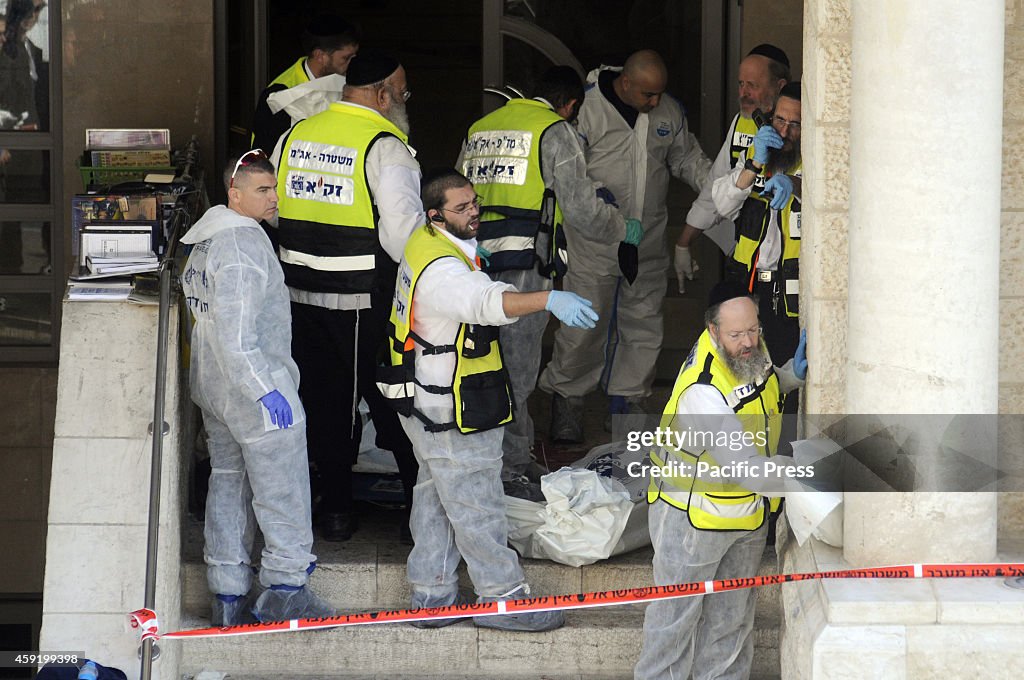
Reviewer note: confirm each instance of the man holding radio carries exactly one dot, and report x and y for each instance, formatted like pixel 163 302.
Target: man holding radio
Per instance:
pixel 766 260
pixel 762 74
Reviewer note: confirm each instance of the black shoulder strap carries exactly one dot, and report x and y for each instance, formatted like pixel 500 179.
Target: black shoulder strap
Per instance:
pixel 705 375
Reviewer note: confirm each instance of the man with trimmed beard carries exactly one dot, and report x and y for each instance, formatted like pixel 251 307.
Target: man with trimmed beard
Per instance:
pixel 349 199
pixel 762 74
pixel 713 525
pixel 449 381
pixel 766 260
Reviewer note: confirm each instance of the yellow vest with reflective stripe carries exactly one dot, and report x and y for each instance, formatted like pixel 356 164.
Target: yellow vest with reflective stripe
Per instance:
pixel 502 158
pixel 480 389
pixel 326 217
pixel 293 75
pixel 709 504
pixel 752 228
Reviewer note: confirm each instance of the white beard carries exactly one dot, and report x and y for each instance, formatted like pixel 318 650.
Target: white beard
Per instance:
pixel 398 114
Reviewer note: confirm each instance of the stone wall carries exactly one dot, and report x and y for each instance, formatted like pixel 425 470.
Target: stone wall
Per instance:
pixel 1011 270
pixel 826 188
pixel 825 255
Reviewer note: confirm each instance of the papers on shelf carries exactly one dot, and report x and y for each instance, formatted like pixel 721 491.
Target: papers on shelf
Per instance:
pixel 107 291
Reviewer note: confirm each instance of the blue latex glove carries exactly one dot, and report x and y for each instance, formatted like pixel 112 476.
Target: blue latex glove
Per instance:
pixel 781 188
pixel 89 671
pixel 634 232
pixel 571 309
pixel 766 139
pixel 605 194
pixel 800 358
pixel 280 409
pixel 484 255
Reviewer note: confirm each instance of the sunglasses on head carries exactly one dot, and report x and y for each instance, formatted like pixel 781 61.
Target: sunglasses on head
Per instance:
pixel 247 158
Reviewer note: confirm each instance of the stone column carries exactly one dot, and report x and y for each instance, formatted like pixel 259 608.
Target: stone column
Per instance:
pixel 925 178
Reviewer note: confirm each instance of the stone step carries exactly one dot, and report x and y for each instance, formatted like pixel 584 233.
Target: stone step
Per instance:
pixel 364 575
pixel 595 643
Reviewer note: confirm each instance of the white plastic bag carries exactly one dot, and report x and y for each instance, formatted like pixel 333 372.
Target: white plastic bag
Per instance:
pixel 614 460
pixel 581 521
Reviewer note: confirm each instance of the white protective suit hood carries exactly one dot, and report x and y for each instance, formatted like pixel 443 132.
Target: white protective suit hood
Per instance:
pixel 217 219
pixel 308 99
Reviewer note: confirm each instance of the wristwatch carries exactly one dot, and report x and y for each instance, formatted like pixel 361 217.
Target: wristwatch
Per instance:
pixel 749 165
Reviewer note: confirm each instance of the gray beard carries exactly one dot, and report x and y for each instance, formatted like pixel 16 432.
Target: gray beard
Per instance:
pixel 748 370
pixel 398 114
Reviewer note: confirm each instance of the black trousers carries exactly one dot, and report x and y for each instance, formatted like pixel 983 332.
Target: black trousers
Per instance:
pixel 337 353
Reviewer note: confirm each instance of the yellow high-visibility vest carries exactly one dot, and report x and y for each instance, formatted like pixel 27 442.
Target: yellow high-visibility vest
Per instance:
pixel 327 222
pixel 710 504
pixel 502 159
pixel 480 391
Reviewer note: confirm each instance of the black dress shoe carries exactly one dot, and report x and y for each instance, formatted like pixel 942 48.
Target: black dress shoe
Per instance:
pixel 337 526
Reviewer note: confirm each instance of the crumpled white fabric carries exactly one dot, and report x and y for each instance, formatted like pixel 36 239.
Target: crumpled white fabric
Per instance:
pixel 580 523
pixel 308 99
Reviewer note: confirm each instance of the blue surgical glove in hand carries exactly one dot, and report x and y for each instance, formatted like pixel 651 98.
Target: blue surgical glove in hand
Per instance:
pixel 634 232
pixel 781 188
pixel 800 358
pixel 766 139
pixel 280 409
pixel 484 255
pixel 605 194
pixel 571 309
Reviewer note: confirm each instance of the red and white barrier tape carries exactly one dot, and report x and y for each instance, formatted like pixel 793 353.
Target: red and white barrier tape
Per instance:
pixel 146 619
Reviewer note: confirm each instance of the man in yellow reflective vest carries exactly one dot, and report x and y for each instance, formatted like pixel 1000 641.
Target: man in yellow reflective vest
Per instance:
pixel 762 74
pixel 445 345
pixel 527 163
pixel 349 199
pixel 718 481
pixel 763 197
pixel 329 42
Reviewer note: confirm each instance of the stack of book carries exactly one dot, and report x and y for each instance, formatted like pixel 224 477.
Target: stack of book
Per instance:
pixel 127 148
pixel 122 265
pixel 122 155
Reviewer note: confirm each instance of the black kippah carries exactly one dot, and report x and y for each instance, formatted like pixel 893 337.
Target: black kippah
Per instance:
pixel 772 52
pixel 791 90
pixel 725 291
pixel 369 67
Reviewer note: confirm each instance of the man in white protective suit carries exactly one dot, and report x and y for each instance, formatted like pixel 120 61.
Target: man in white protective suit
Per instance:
pixel 635 139
pixel 245 382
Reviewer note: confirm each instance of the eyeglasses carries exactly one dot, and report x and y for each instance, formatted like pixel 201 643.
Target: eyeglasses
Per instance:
pixel 404 94
pixel 466 207
pixel 247 158
pixel 752 333
pixel 793 125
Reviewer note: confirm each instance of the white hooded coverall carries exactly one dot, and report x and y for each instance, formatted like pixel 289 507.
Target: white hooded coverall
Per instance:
pixel 635 164
pixel 241 350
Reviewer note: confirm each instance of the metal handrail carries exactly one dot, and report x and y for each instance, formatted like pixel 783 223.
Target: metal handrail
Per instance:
pixel 159 428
